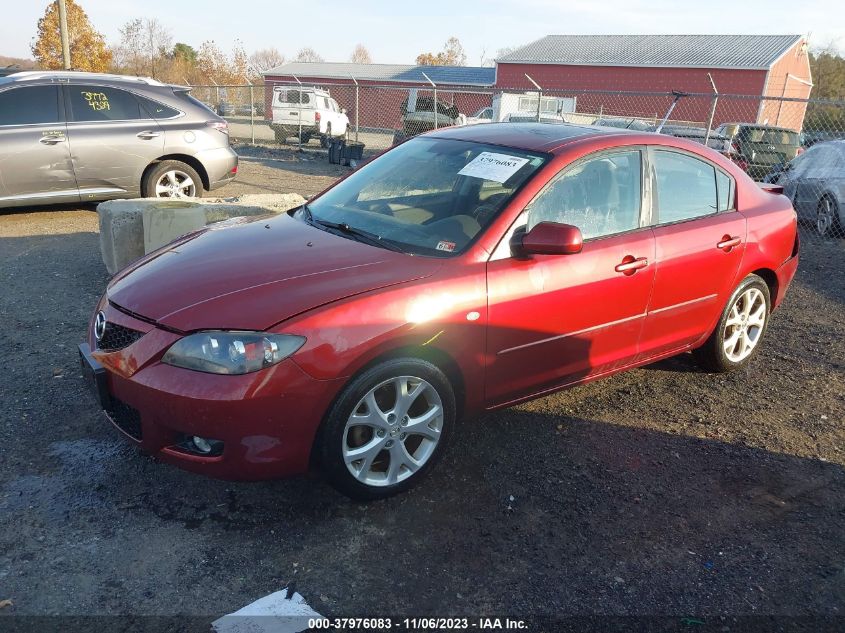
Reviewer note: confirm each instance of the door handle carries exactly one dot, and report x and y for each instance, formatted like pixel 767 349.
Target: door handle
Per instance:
pixel 51 140
pixel 630 264
pixel 148 135
pixel 728 243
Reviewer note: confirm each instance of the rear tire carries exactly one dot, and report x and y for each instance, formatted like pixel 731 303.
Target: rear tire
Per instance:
pixel 387 429
pixel 744 321
pixel 172 179
pixel 827 218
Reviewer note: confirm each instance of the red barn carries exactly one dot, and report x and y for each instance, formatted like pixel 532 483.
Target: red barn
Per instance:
pixel 752 65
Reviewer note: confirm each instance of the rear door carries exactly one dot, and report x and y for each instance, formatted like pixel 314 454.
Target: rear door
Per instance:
pixel 699 239
pixel 34 152
pixel 292 106
pixel 112 139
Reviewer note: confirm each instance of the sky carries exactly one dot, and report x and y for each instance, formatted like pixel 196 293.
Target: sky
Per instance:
pixel 397 31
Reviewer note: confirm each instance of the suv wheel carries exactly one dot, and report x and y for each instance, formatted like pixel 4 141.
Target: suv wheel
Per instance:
pixel 172 179
pixel 387 429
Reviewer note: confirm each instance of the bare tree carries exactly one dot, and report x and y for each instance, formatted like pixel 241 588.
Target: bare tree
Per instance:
pixel 453 54
pixel 266 58
pixel 308 54
pixel 145 43
pixel 361 55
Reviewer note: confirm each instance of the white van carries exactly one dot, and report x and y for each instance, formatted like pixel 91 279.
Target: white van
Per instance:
pixel 305 112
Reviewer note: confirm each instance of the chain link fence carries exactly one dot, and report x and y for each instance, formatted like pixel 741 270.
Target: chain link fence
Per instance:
pixel 794 143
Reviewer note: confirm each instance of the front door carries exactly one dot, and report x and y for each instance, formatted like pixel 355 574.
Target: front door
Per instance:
pixel 34 153
pixel 112 140
pixel 556 319
pixel 700 239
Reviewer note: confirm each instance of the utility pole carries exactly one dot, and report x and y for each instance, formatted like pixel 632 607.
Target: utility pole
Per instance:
pixel 63 30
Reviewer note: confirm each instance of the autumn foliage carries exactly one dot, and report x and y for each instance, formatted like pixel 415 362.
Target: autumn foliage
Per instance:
pixel 88 50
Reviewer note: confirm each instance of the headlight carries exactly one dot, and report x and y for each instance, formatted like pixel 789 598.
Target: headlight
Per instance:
pixel 231 352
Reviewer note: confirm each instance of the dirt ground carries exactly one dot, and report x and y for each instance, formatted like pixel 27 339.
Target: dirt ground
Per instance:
pixel 664 491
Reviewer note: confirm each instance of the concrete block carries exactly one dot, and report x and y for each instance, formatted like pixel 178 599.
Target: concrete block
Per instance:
pixel 129 229
pixel 165 221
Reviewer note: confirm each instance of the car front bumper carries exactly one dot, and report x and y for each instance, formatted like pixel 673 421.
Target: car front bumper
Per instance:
pixel 266 420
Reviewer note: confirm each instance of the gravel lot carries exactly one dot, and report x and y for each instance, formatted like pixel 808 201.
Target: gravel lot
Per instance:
pixel 664 491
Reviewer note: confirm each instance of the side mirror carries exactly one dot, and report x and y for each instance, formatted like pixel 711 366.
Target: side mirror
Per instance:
pixel 547 238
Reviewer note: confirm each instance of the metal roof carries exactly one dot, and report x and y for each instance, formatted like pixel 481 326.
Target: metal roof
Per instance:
pixel 454 75
pixel 749 52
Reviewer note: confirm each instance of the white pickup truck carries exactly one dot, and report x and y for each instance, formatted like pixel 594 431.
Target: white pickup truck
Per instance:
pixel 306 112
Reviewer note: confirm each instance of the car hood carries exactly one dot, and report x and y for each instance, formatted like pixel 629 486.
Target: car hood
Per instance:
pixel 250 275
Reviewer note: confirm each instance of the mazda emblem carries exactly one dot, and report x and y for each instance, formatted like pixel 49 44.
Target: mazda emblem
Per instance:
pixel 100 325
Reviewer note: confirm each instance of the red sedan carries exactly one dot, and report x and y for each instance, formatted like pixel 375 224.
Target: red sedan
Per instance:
pixel 465 270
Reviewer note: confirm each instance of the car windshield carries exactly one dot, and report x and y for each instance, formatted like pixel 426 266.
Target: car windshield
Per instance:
pixel 428 196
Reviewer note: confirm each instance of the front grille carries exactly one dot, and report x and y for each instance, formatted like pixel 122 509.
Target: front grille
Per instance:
pixel 127 418
pixel 117 337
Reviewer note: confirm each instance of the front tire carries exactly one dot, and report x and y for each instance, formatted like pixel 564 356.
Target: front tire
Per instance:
pixel 736 339
pixel 172 179
pixel 387 429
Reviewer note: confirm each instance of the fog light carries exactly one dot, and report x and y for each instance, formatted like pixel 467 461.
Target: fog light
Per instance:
pixel 201 444
pixel 205 446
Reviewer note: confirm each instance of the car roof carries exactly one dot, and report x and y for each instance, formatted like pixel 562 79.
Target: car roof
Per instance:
pixel 68 75
pixel 760 126
pixel 538 137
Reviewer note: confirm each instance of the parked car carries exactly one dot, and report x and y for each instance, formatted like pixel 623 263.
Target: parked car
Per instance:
pixel 815 182
pixel 307 111
pixel 71 136
pixel 465 270
pixel 718 142
pixel 625 123
pixel 482 115
pixel 762 146
pixel 418 114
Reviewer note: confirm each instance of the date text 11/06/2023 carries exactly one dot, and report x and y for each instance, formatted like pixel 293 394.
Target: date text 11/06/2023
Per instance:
pixel 419 624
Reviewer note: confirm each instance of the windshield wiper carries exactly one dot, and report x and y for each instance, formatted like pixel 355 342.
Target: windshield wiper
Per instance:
pixel 343 227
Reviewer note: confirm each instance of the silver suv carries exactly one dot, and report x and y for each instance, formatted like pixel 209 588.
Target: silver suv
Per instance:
pixel 74 136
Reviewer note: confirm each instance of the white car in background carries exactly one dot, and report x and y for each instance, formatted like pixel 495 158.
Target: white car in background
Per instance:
pixel 307 112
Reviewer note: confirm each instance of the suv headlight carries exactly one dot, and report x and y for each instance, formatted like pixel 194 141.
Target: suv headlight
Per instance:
pixel 231 352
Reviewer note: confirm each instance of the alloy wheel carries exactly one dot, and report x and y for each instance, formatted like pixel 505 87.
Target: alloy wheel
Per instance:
pixel 825 216
pixel 175 184
pixel 393 431
pixel 745 324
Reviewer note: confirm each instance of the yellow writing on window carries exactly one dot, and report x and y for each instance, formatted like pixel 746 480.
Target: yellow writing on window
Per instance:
pixel 97 100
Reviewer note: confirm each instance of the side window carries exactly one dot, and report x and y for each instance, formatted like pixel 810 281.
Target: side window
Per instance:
pixel 601 196
pixel 686 187
pixel 725 191
pixel 156 110
pixel 99 103
pixel 29 105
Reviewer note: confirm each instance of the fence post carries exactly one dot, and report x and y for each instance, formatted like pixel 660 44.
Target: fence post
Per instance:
pixel 356 107
pixel 434 107
pixel 251 112
pixel 299 114
pixel 712 109
pixel 539 94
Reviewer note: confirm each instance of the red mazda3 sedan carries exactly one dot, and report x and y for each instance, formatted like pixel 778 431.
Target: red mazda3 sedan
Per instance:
pixel 465 270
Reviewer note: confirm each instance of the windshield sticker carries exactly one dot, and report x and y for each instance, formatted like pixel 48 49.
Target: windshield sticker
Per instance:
pixel 445 246
pixel 97 100
pixel 493 166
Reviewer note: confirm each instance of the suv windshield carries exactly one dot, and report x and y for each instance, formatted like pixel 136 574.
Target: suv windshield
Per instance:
pixel 428 196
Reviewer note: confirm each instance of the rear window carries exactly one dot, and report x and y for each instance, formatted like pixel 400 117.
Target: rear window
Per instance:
pixel 186 96
pixel 157 110
pixel 772 137
pixel 299 97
